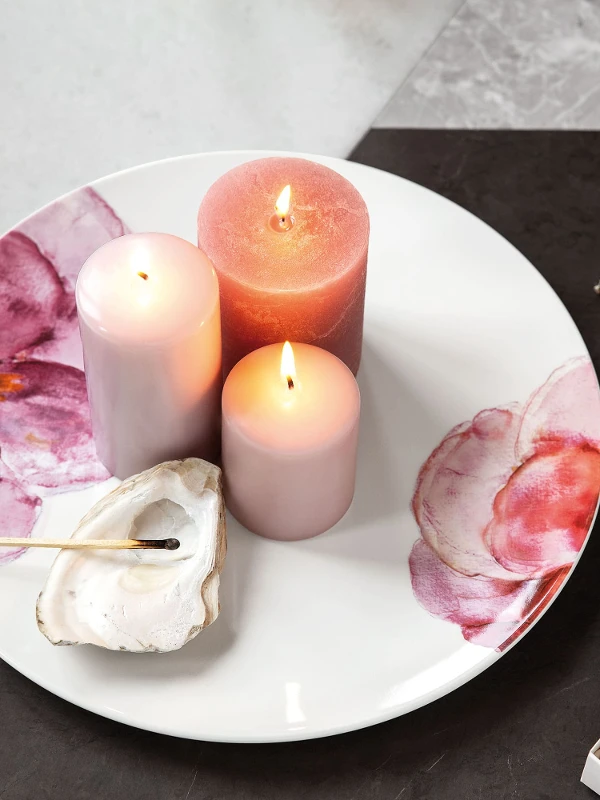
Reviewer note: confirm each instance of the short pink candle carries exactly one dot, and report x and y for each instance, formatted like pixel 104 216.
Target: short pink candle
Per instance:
pixel 149 316
pixel 290 434
pixel 296 273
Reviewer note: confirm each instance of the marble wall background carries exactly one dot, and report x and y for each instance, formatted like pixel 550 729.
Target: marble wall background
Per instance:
pixel 87 88
pixel 507 64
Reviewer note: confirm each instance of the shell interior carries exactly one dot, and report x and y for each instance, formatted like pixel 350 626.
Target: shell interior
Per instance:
pixel 142 600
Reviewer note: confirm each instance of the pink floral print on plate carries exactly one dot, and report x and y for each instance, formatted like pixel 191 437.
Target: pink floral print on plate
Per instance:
pixel 46 441
pixel 504 505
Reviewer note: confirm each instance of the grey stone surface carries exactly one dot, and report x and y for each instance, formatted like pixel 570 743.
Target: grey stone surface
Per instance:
pixel 87 88
pixel 507 64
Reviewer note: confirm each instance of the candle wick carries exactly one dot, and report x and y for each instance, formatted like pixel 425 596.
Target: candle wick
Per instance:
pixel 290 382
pixel 281 222
pixel 143 275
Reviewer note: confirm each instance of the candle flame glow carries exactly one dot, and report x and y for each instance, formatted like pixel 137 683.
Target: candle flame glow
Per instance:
pixel 282 204
pixel 288 365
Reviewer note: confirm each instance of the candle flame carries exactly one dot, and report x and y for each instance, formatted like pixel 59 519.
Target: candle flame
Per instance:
pixel 282 205
pixel 288 365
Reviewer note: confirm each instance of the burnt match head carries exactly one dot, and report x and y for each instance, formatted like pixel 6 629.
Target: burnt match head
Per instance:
pixel 172 544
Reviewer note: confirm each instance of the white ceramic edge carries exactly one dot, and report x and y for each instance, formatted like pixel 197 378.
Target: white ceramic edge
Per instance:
pixel 402 708
pixel 590 776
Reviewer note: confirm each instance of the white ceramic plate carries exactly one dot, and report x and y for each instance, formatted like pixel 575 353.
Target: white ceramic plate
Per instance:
pixel 327 635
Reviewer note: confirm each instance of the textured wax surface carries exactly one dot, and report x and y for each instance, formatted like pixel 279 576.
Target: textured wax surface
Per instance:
pixel 306 284
pixel 329 235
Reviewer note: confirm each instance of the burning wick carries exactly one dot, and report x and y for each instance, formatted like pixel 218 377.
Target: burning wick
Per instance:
pixel 143 275
pixel 282 220
pixel 288 365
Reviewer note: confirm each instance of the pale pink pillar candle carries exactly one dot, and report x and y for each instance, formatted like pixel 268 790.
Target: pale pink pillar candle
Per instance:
pixel 148 308
pixel 299 277
pixel 289 441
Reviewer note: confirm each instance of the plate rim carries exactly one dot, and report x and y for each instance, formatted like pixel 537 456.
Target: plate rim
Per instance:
pixel 398 709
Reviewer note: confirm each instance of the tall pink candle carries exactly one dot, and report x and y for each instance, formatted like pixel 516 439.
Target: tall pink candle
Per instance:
pixel 302 280
pixel 290 435
pixel 149 316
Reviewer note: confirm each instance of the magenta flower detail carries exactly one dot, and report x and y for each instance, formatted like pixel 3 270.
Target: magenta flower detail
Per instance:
pixel 68 231
pixel 46 441
pixel 45 427
pixel 65 233
pixel 504 505
pixel 32 296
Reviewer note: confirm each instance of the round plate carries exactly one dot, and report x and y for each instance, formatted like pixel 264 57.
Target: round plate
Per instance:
pixel 477 481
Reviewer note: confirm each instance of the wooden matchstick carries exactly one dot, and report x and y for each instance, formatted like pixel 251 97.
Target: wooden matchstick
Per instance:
pixel 93 544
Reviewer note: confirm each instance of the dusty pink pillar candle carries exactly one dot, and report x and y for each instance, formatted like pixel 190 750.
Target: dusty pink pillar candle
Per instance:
pixel 148 308
pixel 290 434
pixel 298 276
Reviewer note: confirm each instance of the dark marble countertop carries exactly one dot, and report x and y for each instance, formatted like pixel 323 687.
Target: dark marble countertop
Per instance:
pixel 519 730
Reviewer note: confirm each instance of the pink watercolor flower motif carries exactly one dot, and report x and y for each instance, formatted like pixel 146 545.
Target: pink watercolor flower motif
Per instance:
pixel 46 442
pixel 45 436
pixel 32 296
pixel 45 430
pixel 20 510
pixel 504 505
pixel 69 230
pixel 39 264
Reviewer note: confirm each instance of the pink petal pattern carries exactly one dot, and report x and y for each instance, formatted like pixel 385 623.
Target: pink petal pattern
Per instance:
pixel 45 435
pixel 67 232
pixel 31 295
pixel 504 506
pixel 488 610
pixel 456 487
pixel 564 409
pixel 542 516
pixel 64 346
pixel 70 229
pixel 45 429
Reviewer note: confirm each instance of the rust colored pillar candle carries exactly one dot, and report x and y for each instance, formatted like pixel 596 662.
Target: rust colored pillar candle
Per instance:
pixel 291 263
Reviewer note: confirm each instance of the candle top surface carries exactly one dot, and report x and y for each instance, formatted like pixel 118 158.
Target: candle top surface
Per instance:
pixel 328 235
pixel 146 288
pixel 322 405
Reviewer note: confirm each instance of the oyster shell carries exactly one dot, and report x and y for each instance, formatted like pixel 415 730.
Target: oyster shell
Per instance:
pixel 142 600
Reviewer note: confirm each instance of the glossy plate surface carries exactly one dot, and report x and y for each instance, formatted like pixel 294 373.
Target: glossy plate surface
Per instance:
pixel 478 475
